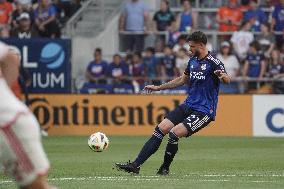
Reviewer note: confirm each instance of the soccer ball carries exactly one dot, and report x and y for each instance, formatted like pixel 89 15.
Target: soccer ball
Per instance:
pixel 98 142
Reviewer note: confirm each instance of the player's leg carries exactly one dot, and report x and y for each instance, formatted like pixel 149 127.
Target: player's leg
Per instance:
pixel 24 158
pixel 39 183
pixel 192 124
pixel 149 148
pixel 153 144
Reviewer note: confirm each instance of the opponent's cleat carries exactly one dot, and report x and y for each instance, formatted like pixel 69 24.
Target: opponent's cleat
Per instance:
pixel 163 170
pixel 128 167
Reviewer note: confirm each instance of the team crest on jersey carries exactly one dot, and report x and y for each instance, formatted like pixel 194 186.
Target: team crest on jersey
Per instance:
pixel 203 67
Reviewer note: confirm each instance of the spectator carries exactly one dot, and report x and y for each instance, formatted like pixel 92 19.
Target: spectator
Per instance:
pixel 66 8
pixel 276 71
pixel 255 15
pixel 118 70
pixel 21 7
pixel 181 43
pixel 232 67
pixel 97 69
pixel 187 20
pixel 266 40
pixel 241 40
pixel 229 17
pixel 25 29
pixel 181 61
pixel 150 63
pixel 254 66
pixel 277 23
pixel 230 60
pixel 136 68
pixel 245 5
pixel 134 18
pixel 163 20
pixel 6 10
pixel 45 19
pixel 4 31
pixel 168 64
pixel 275 66
pixel 164 17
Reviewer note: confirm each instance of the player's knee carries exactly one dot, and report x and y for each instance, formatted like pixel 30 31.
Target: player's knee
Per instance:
pixel 165 126
pixel 180 130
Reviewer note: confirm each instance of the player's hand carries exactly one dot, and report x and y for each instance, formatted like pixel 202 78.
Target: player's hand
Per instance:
pixel 220 74
pixel 151 88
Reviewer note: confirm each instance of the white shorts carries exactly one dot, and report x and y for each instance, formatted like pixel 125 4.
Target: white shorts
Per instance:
pixel 21 151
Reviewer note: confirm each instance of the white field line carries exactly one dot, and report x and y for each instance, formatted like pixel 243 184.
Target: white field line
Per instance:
pixel 159 178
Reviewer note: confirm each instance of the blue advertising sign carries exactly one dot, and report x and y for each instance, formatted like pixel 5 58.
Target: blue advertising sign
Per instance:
pixel 48 63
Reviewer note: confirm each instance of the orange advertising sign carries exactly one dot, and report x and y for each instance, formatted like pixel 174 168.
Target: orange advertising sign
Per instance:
pixel 131 114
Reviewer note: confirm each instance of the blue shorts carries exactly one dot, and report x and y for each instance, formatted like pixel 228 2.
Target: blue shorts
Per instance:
pixel 191 119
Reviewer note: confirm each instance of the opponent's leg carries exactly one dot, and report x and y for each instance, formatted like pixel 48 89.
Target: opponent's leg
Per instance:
pixel 149 148
pixel 24 158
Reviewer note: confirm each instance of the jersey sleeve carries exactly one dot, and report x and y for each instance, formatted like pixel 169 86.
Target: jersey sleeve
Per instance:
pixel 187 70
pixel 217 64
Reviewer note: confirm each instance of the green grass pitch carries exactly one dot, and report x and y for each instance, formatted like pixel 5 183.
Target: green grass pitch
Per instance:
pixel 202 162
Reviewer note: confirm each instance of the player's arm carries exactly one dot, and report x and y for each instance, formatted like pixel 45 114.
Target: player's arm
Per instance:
pixel 224 77
pixel 245 69
pixel 179 81
pixel 220 71
pixel 9 64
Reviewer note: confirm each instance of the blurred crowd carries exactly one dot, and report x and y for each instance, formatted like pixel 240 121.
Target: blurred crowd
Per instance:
pixel 252 49
pixel 32 18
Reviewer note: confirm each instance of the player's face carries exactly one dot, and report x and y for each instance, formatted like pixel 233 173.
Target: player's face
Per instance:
pixel 194 48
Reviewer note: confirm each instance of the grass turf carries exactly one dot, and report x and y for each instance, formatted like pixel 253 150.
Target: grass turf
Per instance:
pixel 202 162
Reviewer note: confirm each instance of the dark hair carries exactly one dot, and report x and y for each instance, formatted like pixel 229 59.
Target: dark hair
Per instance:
pixel 266 24
pixel 255 1
pixel 116 55
pixel 150 49
pixel 166 1
pixel 182 37
pixel 98 50
pixel 167 46
pixel 244 22
pixel 198 37
pixel 137 54
pixel 255 44
pixel 185 1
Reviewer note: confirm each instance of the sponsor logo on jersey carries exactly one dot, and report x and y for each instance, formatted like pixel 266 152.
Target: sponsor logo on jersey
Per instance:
pixel 197 75
pixel 203 67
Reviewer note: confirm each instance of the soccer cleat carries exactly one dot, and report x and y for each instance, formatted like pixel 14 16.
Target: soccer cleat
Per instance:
pixel 163 171
pixel 129 167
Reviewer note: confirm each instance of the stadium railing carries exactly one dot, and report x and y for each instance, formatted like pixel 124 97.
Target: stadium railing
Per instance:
pixel 132 85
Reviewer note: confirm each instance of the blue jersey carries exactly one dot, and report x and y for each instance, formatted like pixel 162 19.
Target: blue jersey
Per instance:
pixel 254 61
pixel 203 84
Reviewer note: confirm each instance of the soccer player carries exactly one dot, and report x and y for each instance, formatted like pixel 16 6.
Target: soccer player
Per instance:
pixel 202 75
pixel 21 151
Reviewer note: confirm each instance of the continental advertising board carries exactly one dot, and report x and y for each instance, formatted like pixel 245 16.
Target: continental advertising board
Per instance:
pixel 132 114
pixel 268 115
